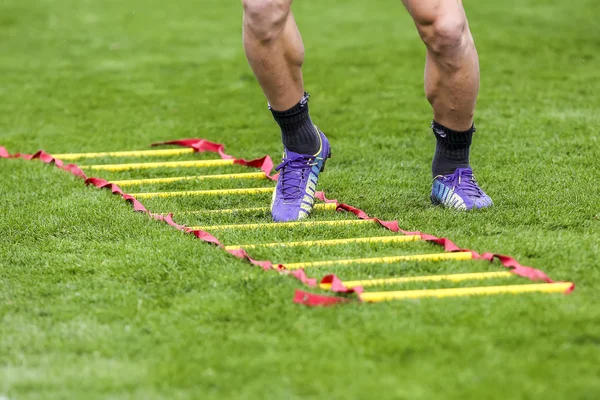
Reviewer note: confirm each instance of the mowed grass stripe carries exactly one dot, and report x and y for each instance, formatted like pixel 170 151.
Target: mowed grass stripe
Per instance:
pixel 150 181
pixel 215 192
pixel 158 164
pixel 425 278
pixel 374 297
pixel 463 255
pixel 132 153
pixel 329 242
pixel 285 224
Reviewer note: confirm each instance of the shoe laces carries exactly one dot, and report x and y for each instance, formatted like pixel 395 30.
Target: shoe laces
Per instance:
pixel 465 180
pixel 293 174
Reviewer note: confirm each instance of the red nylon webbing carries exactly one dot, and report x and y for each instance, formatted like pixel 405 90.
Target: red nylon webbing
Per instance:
pixel 4 153
pixel 338 286
pixel 201 145
pixel 104 184
pixel 314 300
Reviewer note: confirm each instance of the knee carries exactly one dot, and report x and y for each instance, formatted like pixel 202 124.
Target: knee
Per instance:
pixel 265 18
pixel 445 34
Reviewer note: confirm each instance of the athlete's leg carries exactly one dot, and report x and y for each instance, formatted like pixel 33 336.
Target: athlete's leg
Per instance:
pixel 451 67
pixel 275 52
pixel 451 86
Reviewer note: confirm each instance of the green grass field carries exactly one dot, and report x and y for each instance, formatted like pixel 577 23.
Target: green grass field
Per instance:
pixel 97 301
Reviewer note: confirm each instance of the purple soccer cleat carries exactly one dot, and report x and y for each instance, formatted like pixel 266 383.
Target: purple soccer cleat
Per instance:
pixel 459 190
pixel 294 195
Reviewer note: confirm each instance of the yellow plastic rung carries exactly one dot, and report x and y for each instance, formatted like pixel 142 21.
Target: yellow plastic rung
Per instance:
pixel 134 153
pixel 425 278
pixel 216 192
pixel 463 255
pixel 319 206
pixel 373 297
pixel 150 181
pixel 162 164
pixel 284 224
pixel 331 242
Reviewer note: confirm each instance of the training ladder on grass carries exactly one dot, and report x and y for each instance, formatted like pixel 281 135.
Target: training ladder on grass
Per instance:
pixel 345 290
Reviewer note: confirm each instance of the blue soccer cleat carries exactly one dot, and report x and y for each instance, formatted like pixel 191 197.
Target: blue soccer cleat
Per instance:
pixel 459 190
pixel 294 196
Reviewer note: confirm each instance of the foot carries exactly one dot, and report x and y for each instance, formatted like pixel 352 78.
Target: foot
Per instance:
pixel 459 190
pixel 294 195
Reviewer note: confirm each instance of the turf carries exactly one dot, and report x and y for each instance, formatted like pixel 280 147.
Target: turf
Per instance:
pixel 97 301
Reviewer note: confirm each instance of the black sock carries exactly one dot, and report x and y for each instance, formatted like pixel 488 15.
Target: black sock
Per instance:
pixel 297 130
pixel 451 150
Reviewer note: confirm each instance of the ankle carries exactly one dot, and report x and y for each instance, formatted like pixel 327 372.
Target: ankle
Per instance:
pixel 298 133
pixel 452 149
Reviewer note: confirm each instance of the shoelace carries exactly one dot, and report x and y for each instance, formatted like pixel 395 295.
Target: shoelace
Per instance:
pixel 467 183
pixel 293 173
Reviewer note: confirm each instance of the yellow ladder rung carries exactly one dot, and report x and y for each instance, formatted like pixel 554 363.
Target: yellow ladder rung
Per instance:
pixel 284 224
pixel 373 297
pixel 463 255
pixel 215 192
pixel 320 206
pixel 150 181
pixel 331 242
pixel 134 153
pixel 425 278
pixel 161 164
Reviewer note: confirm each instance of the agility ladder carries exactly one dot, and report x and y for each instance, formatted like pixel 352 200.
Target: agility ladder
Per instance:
pixel 329 282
